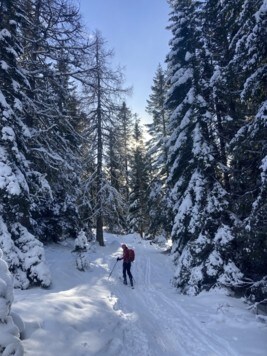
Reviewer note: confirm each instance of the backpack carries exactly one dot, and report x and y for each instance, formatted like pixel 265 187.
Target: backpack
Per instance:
pixel 131 254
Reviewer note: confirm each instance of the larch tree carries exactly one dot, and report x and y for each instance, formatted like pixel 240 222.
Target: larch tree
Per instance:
pixel 104 92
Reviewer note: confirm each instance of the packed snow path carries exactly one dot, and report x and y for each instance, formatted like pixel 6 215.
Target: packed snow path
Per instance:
pixel 88 313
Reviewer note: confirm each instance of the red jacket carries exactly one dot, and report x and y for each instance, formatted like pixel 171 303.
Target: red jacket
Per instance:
pixel 125 257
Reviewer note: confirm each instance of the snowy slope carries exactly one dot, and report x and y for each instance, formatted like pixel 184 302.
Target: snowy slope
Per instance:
pixel 87 313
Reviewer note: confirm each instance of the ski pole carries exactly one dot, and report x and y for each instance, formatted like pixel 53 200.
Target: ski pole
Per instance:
pixel 112 269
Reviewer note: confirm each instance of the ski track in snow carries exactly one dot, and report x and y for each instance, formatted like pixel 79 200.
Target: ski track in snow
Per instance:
pixel 175 332
pixel 90 314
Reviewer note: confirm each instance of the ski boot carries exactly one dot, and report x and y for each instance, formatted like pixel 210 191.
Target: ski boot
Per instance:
pixel 131 281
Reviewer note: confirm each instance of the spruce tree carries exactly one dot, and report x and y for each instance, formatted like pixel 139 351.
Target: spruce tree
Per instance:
pixel 249 145
pixel 157 155
pixel 118 165
pixel 138 214
pixel 115 217
pixel 158 128
pixel 201 233
pixel 180 99
pixel 9 341
pixel 54 46
pixel 125 131
pixel 22 251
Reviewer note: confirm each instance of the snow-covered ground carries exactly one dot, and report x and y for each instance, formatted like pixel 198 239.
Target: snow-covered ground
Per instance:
pixel 87 313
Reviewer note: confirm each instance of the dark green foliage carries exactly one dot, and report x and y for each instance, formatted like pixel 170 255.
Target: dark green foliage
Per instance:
pixel 39 143
pixel 138 208
pixel 19 246
pixel 217 149
pixel 159 213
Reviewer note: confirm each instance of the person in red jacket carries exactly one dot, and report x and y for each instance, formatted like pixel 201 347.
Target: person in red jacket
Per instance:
pixel 126 266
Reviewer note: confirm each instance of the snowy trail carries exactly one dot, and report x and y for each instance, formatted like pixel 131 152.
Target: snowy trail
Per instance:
pixel 89 314
pixel 166 328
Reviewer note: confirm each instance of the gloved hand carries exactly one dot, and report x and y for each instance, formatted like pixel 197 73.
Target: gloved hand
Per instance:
pixel 118 258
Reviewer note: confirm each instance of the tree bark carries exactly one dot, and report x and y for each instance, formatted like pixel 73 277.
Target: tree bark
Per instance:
pixel 99 219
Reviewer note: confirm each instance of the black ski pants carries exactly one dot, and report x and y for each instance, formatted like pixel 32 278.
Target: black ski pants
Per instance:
pixel 126 268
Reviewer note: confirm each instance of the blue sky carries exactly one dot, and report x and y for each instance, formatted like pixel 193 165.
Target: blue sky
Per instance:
pixel 136 30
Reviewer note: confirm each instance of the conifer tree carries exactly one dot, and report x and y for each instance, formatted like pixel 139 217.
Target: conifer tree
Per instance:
pixel 158 128
pixel 138 215
pixel 53 49
pixel 249 145
pixel 180 100
pixel 117 161
pixel 9 341
pixel 201 233
pixel 125 131
pixel 105 88
pixel 22 251
pixel 157 155
pixel 115 217
pixel 219 195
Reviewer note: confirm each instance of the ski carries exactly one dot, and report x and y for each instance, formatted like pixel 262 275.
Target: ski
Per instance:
pixel 121 279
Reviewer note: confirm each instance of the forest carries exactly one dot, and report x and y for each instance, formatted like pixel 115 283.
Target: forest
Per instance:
pixel 75 160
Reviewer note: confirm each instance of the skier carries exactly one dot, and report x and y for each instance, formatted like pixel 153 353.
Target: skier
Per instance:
pixel 127 260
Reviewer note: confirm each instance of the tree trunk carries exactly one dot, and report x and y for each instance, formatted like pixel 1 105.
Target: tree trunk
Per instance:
pixel 222 148
pixel 99 230
pixel 99 218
